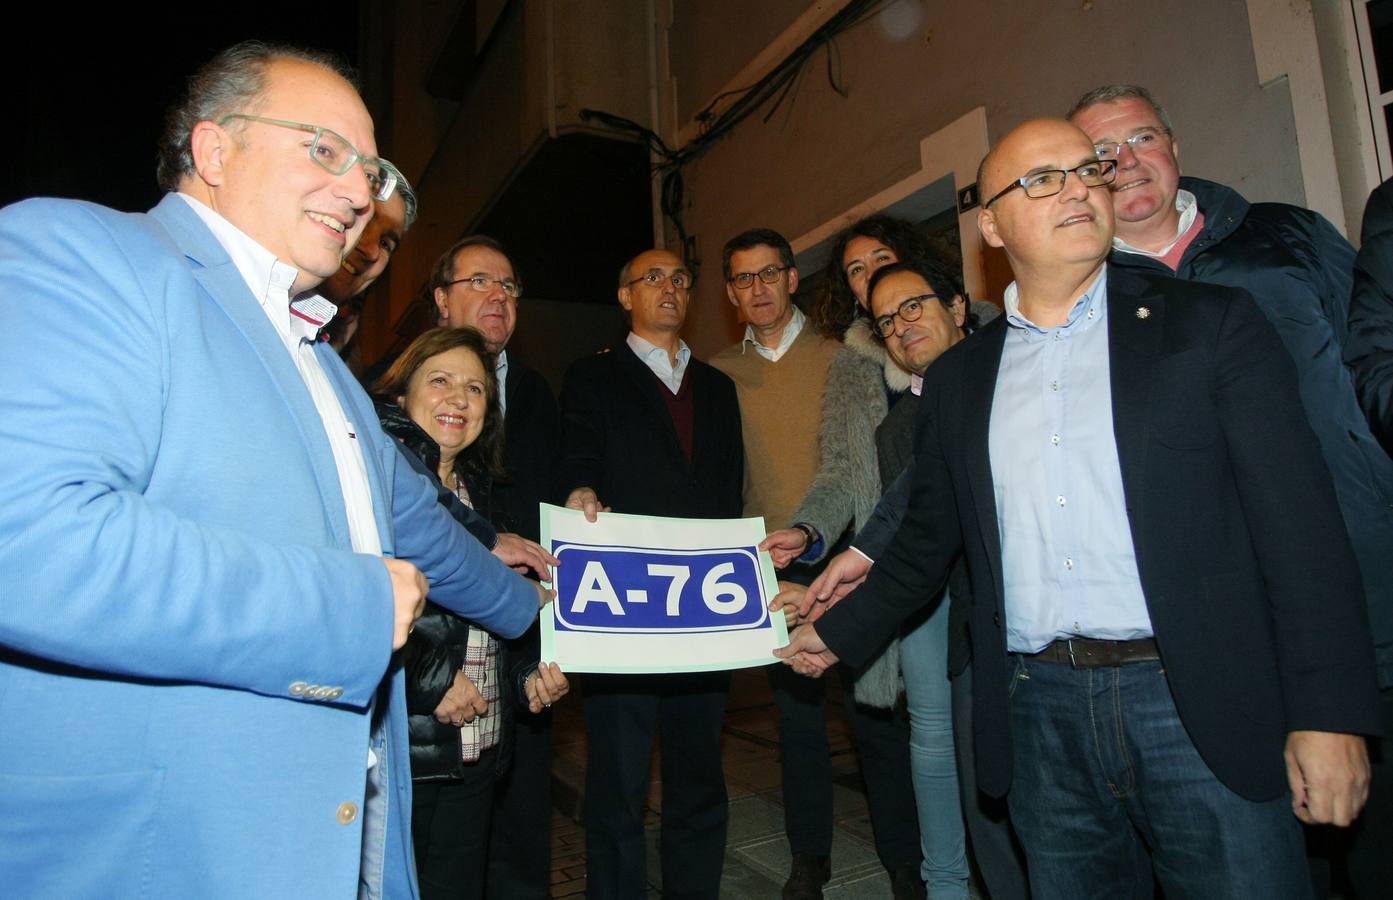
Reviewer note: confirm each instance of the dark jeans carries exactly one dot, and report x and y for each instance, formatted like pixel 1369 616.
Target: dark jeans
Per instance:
pixel 621 714
pixel 882 743
pixel 450 828
pixel 1110 792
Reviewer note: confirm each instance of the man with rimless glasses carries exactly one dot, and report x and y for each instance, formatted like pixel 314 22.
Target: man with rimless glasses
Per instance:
pixel 1167 661
pixel 650 430
pixel 780 369
pixel 208 548
pixel 474 284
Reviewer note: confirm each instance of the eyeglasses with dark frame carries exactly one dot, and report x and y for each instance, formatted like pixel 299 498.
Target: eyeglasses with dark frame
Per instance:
pixel 1140 142
pixel 483 284
pixel 333 153
pixel 681 279
pixel 910 310
pixel 1048 182
pixel 769 274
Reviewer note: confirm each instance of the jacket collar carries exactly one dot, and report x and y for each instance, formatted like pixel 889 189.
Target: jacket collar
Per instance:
pixel 1224 209
pixel 219 278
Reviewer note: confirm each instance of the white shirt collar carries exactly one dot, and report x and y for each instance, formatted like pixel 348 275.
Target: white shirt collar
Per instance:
pixel 657 360
pixel 1188 208
pixel 269 279
pixel 647 350
pixel 791 332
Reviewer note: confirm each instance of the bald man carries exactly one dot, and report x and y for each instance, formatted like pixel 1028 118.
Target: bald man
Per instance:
pixel 651 430
pixel 1124 455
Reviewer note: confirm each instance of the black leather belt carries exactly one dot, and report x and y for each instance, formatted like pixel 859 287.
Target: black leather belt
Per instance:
pixel 1085 653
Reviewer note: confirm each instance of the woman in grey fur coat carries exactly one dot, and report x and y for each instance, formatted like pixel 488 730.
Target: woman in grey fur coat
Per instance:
pixel 862 384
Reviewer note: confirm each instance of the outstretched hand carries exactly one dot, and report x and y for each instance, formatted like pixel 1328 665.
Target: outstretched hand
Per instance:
pixel 785 545
pixel 806 652
pixel 522 555
pixel 843 575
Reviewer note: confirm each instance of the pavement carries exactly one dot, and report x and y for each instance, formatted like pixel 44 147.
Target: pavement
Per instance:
pixel 757 853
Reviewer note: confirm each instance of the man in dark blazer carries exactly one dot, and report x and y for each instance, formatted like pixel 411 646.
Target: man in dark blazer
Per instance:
pixel 470 284
pixel 1166 603
pixel 651 431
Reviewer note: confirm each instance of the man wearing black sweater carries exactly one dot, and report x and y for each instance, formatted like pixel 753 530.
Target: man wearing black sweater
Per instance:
pixel 650 430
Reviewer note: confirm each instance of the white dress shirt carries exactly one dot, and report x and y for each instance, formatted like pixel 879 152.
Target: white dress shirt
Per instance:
pixel 1185 203
pixel 791 332
pixel 656 359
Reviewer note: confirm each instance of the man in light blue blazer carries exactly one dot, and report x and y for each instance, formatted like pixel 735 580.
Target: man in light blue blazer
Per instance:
pixel 208 548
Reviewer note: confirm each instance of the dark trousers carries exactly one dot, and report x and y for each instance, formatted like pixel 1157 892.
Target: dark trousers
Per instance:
pixel 519 859
pixel 450 828
pixel 1370 857
pixel 882 744
pixel 805 760
pixel 1357 862
pixel 994 845
pixel 621 714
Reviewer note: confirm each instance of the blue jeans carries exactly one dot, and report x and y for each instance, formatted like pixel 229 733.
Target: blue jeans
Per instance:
pixel 924 662
pixel 1109 795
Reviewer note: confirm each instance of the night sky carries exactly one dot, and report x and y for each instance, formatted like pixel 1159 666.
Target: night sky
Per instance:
pixel 92 89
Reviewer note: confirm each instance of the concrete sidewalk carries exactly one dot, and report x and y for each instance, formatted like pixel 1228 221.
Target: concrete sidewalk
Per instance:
pixel 757 853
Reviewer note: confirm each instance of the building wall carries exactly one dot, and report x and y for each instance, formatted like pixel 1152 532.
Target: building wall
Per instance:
pixel 916 67
pixel 541 62
pixel 911 73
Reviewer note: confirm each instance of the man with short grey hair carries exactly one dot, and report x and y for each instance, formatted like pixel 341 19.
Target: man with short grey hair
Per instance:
pixel 1298 269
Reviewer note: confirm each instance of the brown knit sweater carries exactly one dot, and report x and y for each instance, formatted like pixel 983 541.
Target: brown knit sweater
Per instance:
pixel 780 408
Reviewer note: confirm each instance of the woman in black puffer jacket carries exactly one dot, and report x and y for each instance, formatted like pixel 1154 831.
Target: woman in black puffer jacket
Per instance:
pixel 440 400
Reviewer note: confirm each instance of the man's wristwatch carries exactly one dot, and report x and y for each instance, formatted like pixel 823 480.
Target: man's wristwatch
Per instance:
pixel 809 533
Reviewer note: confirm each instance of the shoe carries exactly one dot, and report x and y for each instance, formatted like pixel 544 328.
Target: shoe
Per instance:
pixel 806 877
pixel 907 884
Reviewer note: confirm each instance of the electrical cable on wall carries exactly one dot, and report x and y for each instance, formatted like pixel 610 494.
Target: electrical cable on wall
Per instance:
pixel 780 85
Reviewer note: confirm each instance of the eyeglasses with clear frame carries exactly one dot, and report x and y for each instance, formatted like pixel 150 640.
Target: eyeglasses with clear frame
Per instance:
pixel 681 279
pixel 483 284
pixel 1144 140
pixel 1048 182
pixel 910 310
pixel 332 152
pixel 769 274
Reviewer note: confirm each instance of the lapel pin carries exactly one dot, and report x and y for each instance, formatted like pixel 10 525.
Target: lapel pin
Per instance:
pixel 1143 312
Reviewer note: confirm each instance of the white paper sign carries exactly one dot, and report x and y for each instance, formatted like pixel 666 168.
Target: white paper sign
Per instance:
pixel 641 594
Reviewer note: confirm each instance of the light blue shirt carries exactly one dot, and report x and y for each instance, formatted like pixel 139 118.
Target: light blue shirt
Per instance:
pixel 656 359
pixel 1068 563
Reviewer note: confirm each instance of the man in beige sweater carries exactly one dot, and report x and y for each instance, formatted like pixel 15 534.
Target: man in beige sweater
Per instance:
pixel 779 369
